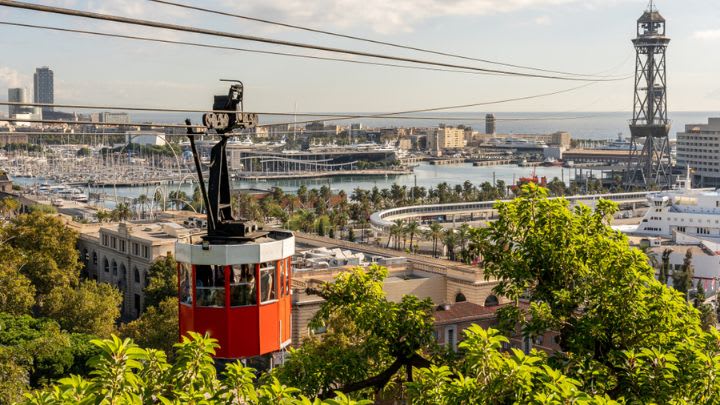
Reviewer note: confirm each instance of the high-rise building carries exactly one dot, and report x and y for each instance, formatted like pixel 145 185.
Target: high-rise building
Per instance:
pixel 44 87
pixel 490 124
pixel 698 148
pixel 16 95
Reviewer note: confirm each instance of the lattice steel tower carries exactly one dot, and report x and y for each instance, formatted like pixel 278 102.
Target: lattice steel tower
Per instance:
pixel 650 161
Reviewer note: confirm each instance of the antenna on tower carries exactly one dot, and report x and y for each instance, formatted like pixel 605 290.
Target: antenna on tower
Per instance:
pixel 651 6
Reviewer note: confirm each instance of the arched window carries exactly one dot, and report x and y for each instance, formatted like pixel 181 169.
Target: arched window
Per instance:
pixel 123 271
pixel 94 257
pixel 137 274
pixel 491 301
pixel 106 265
pixel 114 268
pixel 86 256
pixel 460 297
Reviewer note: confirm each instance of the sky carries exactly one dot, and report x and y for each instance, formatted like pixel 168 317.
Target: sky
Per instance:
pixel 589 36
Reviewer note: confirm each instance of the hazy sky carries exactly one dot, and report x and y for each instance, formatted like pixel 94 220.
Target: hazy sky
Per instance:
pixel 587 36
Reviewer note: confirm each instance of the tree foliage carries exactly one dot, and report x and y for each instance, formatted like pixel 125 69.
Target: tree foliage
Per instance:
pixel 157 327
pixel 622 333
pixel 162 280
pixel 91 307
pixel 124 373
pixel 369 339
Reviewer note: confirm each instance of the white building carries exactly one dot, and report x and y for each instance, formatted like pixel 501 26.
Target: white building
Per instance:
pixel 699 148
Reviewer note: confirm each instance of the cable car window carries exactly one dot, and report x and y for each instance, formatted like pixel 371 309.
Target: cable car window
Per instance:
pixel 243 290
pixel 268 282
pixel 283 275
pixel 288 273
pixel 210 286
pixel 185 287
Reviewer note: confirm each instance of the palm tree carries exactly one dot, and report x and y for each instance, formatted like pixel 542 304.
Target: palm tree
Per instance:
pixel 394 232
pixel 463 234
pixel 143 200
pixel 121 212
pixel 412 228
pixel 450 240
pixel 435 233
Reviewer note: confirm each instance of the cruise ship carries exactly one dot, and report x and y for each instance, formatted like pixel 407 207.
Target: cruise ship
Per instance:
pixel 694 212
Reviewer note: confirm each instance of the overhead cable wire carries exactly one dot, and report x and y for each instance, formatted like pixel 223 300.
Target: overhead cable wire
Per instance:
pixel 106 124
pixel 232 48
pixel 326 116
pixel 368 40
pixel 334 118
pixel 454 107
pixel 215 33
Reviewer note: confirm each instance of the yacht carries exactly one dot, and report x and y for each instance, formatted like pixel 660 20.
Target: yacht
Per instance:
pixel 695 212
pixel 619 144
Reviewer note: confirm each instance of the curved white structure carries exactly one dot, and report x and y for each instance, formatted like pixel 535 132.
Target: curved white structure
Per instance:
pixel 384 219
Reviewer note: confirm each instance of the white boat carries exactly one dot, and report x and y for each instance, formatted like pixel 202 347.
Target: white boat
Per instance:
pixel 619 144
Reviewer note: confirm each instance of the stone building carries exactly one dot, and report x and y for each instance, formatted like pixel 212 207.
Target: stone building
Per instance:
pixel 121 254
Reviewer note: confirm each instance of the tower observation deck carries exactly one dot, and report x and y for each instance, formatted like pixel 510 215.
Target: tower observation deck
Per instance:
pixel 650 161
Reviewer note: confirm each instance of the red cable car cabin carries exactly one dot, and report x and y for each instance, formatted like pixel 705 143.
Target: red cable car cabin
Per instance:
pixel 235 284
pixel 239 293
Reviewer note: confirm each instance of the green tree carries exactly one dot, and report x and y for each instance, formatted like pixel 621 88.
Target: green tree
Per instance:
pixel 44 250
pixel 665 266
pixel 157 327
pixel 91 307
pixel 17 294
pixel 123 373
pixel 435 233
pixel 682 280
pixel 585 282
pixel 161 281
pixel 369 339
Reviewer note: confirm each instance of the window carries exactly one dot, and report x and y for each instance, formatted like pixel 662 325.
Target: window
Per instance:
pixel 491 301
pixel 86 256
pixel 113 242
pixel 136 249
pixel 114 268
pixel 460 297
pixel 210 286
pixel 136 307
pixel 105 240
pixel 451 338
pixel 123 272
pixel 136 272
pixel 184 284
pixel 243 289
pixel 146 251
pixel 268 282
pixel 681 229
pixel 122 246
pixel 106 265
pixel 94 258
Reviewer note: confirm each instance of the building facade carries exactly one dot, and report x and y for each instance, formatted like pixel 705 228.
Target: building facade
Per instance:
pixel 16 95
pixel 446 138
pixel 698 148
pixel 44 86
pixel 121 254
